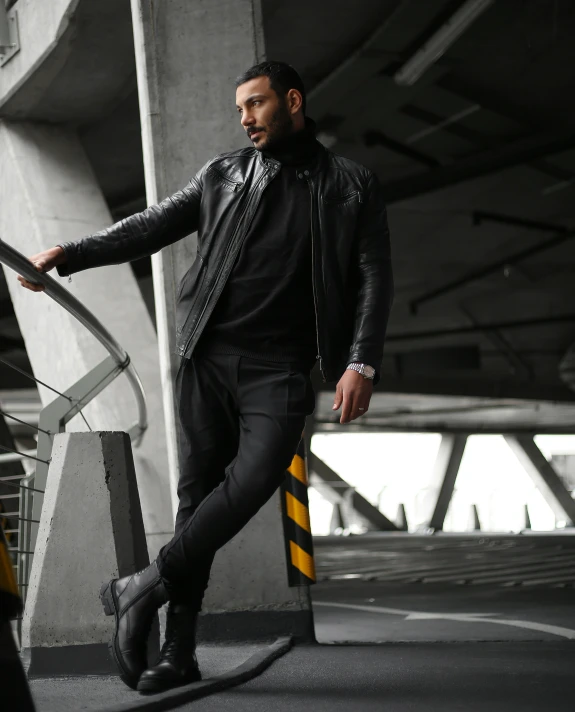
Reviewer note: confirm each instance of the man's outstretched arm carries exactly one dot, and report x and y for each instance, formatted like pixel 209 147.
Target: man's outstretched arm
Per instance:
pixel 139 235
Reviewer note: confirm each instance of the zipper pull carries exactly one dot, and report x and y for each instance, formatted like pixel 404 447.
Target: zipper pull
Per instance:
pixel 360 196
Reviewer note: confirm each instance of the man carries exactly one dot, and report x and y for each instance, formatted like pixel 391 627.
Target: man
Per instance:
pixel 293 266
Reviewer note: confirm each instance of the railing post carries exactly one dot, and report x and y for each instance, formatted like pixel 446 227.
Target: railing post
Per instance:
pixel 53 419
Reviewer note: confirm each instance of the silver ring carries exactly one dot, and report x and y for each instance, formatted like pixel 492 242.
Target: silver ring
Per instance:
pixel 361 408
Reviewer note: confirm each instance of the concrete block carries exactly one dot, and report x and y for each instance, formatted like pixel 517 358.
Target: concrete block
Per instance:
pixel 91 530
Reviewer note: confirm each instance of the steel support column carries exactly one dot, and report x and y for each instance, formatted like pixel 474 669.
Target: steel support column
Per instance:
pixel 543 474
pixel 445 472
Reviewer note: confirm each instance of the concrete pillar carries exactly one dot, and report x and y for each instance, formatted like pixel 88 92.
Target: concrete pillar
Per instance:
pixel 474 521
pixel 50 195
pixel 355 506
pixel 445 473
pixel 336 524
pixel 187 56
pixel 91 530
pixel 543 474
pixel 401 518
pixel 526 517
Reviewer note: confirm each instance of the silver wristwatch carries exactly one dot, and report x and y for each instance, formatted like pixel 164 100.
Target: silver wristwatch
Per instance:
pixel 365 370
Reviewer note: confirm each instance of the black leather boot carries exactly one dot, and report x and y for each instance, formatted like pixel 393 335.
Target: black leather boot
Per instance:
pixel 133 600
pixel 177 664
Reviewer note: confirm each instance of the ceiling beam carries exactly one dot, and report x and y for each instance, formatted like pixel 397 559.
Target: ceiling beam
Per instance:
pixel 378 138
pixel 481 216
pixel 327 92
pixel 489 100
pixel 518 364
pixel 438 122
pixel 480 164
pixel 502 325
pixel 486 387
pixel 493 268
pixel 475 429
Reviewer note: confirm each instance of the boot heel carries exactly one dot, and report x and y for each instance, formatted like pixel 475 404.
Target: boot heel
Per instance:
pixel 107 599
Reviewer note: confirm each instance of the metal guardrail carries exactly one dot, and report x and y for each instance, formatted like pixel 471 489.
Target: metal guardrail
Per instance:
pixel 29 487
pixel 19 263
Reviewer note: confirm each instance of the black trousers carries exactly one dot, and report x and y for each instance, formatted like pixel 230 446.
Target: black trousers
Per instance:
pixel 240 422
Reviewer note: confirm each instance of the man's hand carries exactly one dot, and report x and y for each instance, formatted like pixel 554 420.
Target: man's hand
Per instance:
pixel 354 391
pixel 43 262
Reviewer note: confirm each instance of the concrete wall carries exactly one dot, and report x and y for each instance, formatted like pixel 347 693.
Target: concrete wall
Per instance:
pixel 53 196
pixel 42 25
pixel 75 62
pixel 187 56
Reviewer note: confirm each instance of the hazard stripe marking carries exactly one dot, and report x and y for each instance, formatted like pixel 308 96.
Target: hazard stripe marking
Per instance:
pixel 298 512
pixel 7 580
pixel 298 469
pixel 302 560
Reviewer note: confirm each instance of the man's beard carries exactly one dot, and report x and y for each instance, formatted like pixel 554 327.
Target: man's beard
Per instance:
pixel 279 127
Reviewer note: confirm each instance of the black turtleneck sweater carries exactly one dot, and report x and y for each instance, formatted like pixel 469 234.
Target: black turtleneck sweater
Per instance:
pixel 266 309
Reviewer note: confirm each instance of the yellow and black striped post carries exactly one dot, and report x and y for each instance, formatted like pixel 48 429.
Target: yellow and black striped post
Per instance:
pixel 10 602
pixel 14 691
pixel 297 529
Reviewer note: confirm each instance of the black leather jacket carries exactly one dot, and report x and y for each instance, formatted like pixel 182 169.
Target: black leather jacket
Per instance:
pixel 352 276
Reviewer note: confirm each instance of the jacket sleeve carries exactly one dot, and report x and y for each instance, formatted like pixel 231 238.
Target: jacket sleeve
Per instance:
pixel 139 235
pixel 375 280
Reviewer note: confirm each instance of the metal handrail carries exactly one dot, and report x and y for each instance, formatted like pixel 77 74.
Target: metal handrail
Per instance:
pixel 22 265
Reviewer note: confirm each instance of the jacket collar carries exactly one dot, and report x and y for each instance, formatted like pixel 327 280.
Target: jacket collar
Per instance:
pixel 316 163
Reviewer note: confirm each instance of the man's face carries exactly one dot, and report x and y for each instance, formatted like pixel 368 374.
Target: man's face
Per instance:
pixel 264 115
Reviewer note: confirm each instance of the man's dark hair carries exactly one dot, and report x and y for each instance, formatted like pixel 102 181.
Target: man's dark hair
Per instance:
pixel 282 76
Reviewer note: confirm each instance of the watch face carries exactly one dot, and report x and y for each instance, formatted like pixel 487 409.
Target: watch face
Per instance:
pixel 369 371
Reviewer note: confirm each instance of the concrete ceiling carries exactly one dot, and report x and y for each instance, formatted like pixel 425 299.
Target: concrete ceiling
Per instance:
pixel 467 198
pixel 478 161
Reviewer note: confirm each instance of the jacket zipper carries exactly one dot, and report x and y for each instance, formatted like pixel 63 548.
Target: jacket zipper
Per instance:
pixel 248 205
pixel 313 282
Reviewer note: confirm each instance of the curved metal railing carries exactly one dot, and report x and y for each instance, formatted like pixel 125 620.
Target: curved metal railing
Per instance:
pixel 28 487
pixel 22 265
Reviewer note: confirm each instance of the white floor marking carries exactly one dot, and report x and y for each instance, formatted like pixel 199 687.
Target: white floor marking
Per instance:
pixel 463 617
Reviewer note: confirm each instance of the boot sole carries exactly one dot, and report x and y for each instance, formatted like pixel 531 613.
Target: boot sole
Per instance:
pixel 150 686
pixel 111 609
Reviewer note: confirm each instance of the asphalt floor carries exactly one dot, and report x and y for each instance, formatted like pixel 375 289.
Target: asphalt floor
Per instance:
pixel 376 612
pixel 417 677
pixel 99 692
pixel 404 625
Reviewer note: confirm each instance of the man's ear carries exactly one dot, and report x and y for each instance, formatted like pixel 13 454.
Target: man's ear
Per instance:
pixel 294 101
